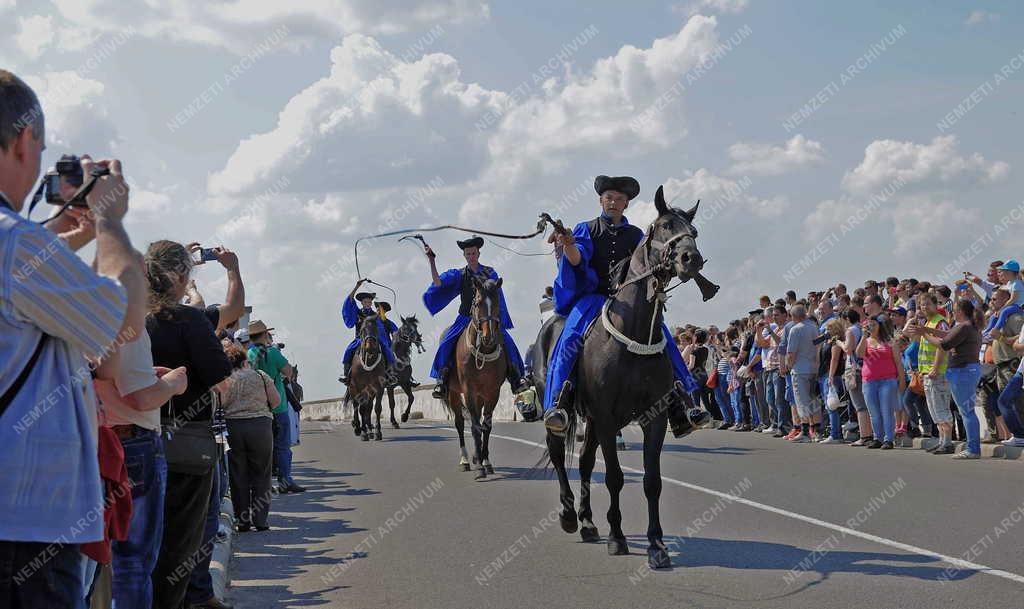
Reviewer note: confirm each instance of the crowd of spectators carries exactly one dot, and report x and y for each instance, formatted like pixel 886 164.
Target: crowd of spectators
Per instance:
pixel 894 359
pixel 129 407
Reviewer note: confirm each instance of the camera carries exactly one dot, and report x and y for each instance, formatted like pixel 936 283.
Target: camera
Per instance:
pixel 68 167
pixel 205 254
pixel 824 336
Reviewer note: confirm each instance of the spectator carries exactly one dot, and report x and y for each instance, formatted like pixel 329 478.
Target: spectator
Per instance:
pixel 248 407
pixel 264 355
pixel 882 373
pixel 834 379
pixel 697 364
pixel 963 343
pixel 54 313
pixel 932 364
pixel 183 336
pixel 1006 346
pixel 853 377
pixel 802 360
pixel 223 316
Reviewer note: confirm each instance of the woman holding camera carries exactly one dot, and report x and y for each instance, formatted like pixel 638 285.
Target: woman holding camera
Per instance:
pixel 182 336
pixel 963 342
pixel 836 332
pixel 882 372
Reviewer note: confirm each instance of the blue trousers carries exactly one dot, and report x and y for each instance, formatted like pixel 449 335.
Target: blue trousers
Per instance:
pixel 570 343
pixel 835 421
pixel 446 349
pixel 135 557
pixel 56 582
pixel 722 399
pixel 1007 405
pixel 963 384
pixel 880 396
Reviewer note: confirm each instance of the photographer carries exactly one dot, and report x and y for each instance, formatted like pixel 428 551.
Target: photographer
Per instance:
pixel 265 356
pixel 54 312
pixel 222 315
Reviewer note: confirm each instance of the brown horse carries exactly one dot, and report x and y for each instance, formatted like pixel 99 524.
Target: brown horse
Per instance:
pixel 479 368
pixel 368 379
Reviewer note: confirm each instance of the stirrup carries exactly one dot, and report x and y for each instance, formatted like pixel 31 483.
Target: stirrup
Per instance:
pixel 558 431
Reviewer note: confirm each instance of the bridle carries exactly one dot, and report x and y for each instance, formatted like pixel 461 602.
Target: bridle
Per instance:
pixel 660 273
pixel 475 347
pixel 364 346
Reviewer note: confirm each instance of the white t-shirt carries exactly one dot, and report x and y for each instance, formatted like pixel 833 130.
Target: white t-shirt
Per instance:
pixel 135 372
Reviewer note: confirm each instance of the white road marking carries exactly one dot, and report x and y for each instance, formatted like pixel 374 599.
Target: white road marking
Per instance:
pixel 956 562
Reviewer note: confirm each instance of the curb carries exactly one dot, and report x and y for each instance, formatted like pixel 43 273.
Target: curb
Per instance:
pixel 221 558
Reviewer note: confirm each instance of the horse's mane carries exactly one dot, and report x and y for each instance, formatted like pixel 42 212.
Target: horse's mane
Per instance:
pixel 618 272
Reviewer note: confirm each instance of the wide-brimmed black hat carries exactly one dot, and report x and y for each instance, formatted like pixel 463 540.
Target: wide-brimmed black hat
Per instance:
pixel 362 295
pixel 476 242
pixel 624 184
pixel 384 306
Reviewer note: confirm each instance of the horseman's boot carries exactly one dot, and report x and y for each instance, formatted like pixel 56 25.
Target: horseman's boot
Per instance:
pixel 345 375
pixel 683 416
pixel 556 420
pixel 441 388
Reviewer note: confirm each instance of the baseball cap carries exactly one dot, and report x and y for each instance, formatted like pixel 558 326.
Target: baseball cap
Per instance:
pixel 898 311
pixel 1010 265
pixel 242 335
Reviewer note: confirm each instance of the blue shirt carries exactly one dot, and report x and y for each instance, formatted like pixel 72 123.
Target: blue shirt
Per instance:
pixel 50 487
pixel 801 342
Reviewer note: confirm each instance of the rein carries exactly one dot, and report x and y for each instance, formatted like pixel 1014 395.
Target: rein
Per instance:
pixel 481 358
pixel 362 360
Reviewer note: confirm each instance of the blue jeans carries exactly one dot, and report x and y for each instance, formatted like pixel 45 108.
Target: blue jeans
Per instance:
pixel 200 584
pixel 135 557
pixel 734 400
pixel 963 384
pixel 769 397
pixel 782 417
pixel 722 399
pixel 1007 405
pixel 56 582
pixel 835 422
pixel 880 396
pixel 283 447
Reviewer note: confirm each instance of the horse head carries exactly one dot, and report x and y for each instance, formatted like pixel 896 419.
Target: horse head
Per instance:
pixel 486 311
pixel 410 331
pixel 367 331
pixel 672 239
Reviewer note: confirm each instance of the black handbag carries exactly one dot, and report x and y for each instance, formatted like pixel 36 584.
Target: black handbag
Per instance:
pixel 189 447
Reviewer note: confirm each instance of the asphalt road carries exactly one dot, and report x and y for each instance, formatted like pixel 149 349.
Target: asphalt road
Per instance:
pixel 750 521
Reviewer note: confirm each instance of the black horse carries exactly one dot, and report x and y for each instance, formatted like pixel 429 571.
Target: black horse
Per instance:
pixel 616 386
pixel 400 375
pixel 368 379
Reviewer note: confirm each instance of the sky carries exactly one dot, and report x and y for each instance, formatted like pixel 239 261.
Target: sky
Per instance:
pixel 827 142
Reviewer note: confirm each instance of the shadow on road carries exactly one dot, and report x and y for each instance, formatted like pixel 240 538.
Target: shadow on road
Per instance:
pixel 300 525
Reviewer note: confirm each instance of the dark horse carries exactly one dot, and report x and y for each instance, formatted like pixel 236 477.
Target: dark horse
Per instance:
pixel 400 374
pixel 616 386
pixel 368 378
pixel 479 368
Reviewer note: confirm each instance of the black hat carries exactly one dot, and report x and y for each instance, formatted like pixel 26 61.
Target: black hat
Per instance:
pixel 476 242
pixel 624 184
pixel 362 295
pixel 756 312
pixel 384 306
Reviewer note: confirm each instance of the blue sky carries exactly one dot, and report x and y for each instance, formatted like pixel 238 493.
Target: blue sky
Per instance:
pixel 335 126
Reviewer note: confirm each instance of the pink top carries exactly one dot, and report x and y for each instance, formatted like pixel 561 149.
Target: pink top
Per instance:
pixel 878 363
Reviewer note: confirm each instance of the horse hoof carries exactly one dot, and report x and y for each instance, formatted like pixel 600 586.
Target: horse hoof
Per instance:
pixel 357 432
pixel 480 474
pixel 617 547
pixel 379 436
pixel 567 518
pixel 365 437
pixel 590 534
pixel 489 468
pixel 394 424
pixel 465 467
pixel 405 417
pixel 658 558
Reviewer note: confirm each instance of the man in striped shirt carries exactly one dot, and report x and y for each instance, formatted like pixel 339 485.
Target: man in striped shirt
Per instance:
pixel 54 313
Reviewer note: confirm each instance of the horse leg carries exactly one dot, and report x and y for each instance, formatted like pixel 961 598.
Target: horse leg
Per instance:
pixel 364 415
pixel 407 388
pixel 556 452
pixel 477 427
pixel 391 403
pixel 588 530
pixel 355 414
pixel 486 452
pixel 654 440
pixel 378 406
pixel 460 426
pixel 614 481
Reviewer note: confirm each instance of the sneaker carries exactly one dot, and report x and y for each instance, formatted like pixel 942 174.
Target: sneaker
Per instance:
pixel 758 429
pixel 831 440
pixel 792 433
pixel 862 441
pixel 1013 441
pixel 726 425
pixel 555 421
pixel 815 437
pixel 801 438
pixel 887 445
pixel 769 430
pixel 944 450
pixel 779 434
pixel 932 448
pixel 964 454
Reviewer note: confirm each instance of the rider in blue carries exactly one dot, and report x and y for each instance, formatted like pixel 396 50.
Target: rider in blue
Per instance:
pixel 582 286
pixel 351 313
pixel 457 283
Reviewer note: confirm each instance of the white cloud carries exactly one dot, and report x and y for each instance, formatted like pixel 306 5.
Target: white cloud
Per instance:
pixel 724 7
pixel 76 116
pixel 932 165
pixel 766 160
pixel 35 34
pixel 238 25
pixel 926 228
pixel 979 17
pixel 720 197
